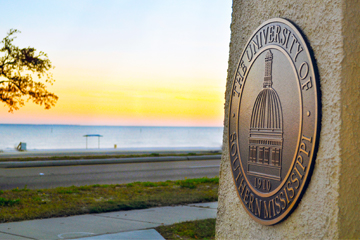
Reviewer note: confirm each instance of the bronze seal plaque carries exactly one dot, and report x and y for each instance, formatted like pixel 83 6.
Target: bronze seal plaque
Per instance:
pixel 273 121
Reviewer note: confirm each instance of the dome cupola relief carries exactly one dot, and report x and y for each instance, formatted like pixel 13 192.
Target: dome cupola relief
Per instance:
pixel 266 130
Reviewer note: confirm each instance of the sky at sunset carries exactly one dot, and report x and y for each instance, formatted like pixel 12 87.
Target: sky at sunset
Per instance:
pixel 126 62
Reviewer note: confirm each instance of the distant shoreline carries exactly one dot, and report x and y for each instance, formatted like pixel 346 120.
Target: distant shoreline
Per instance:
pixel 71 138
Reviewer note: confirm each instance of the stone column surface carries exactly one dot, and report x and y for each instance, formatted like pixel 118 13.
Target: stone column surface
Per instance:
pixel 330 207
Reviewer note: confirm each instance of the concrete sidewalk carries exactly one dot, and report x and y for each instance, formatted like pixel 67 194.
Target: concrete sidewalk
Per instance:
pixel 103 151
pixel 135 224
pixel 53 163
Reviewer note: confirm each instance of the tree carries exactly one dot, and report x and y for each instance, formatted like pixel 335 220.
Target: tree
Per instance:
pixel 24 75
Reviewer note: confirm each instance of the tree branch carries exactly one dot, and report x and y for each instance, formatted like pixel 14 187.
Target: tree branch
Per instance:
pixel 15 66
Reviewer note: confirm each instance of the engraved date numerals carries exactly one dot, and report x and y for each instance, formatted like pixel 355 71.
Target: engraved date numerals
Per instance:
pixel 262 184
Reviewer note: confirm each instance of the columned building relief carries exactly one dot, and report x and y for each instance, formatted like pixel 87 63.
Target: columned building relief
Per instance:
pixel 266 130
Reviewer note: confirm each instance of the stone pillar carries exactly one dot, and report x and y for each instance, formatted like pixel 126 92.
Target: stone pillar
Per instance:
pixel 330 207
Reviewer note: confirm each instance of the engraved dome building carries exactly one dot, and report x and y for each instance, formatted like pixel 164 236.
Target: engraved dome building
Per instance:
pixel 266 130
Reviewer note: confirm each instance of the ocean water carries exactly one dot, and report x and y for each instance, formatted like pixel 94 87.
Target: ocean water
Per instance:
pixel 38 137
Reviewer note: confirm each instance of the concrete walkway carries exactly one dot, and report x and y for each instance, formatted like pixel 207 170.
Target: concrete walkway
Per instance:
pixel 135 224
pixel 103 151
pixel 5 157
pixel 53 163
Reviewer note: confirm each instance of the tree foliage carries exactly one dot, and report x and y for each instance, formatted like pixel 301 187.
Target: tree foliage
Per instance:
pixel 24 75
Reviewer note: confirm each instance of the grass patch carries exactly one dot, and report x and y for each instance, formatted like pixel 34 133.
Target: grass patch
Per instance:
pixel 27 204
pixel 25 189
pixel 199 229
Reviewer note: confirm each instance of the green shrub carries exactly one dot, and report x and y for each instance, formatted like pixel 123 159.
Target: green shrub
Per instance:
pixel 187 184
pixel 149 184
pixel 8 202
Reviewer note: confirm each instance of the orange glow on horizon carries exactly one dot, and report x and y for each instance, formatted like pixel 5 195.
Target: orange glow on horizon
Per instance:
pixel 119 103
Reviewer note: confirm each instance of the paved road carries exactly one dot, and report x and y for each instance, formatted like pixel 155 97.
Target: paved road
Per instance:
pixel 50 177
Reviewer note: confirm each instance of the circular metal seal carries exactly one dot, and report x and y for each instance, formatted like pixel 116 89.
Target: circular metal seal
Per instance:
pixel 273 121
